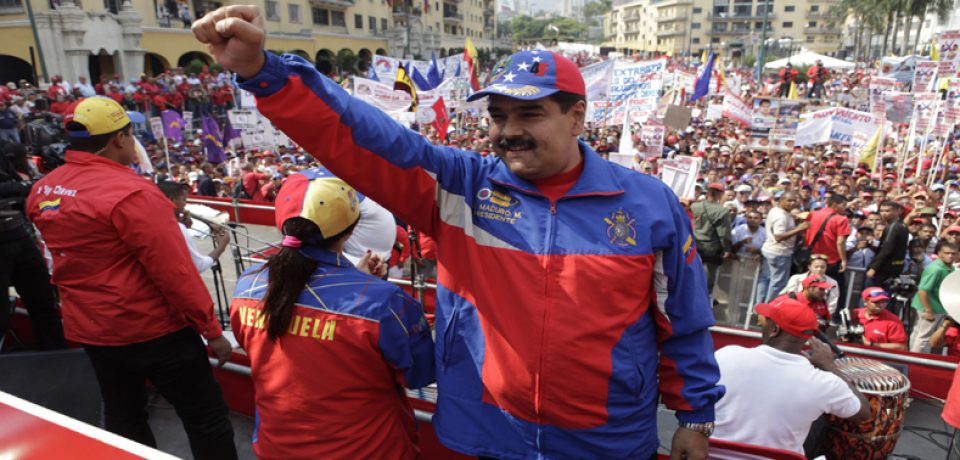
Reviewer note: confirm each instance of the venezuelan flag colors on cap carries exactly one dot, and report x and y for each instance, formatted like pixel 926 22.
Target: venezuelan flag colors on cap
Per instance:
pixel 535 74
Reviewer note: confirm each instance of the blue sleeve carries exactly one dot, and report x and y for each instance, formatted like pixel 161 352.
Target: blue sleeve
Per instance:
pixel 406 340
pixel 689 374
pixel 359 143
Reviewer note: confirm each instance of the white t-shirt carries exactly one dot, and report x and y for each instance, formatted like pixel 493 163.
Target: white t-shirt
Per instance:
pixel 773 397
pixel 742 232
pixel 200 260
pixel 779 222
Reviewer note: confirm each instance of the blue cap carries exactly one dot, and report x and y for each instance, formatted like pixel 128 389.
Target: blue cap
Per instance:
pixel 535 74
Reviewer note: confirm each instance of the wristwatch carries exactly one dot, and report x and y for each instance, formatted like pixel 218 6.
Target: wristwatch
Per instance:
pixel 705 428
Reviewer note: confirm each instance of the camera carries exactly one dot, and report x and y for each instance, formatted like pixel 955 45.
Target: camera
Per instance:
pixel 902 286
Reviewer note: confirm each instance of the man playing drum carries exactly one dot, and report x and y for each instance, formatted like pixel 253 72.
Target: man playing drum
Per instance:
pixel 776 391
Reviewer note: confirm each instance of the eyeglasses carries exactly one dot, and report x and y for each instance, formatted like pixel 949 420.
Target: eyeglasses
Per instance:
pixel 818 257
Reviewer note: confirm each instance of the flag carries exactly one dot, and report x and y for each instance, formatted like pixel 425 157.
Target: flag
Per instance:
pixel 473 65
pixel 626 139
pixel 142 158
pixel 426 6
pixel 703 82
pixel 419 80
pixel 434 76
pixel 230 133
pixel 703 57
pixel 934 51
pixel 442 121
pixel 721 78
pixel 173 125
pixel 869 154
pixel 403 83
pixel 793 91
pixel 212 141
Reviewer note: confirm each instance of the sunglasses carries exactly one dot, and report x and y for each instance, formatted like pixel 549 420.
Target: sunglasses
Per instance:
pixel 818 257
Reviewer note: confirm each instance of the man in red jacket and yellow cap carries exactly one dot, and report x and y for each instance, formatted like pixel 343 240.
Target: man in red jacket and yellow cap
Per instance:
pixel 129 291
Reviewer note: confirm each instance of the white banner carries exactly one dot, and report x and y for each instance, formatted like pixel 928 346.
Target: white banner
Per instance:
pixel 597 78
pixel 385 98
pixel 898 68
pixel 651 134
pixel 924 106
pixel 836 124
pixel 634 89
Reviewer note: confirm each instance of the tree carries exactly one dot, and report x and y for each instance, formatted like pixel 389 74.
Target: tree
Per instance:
pixel 594 9
pixel 526 28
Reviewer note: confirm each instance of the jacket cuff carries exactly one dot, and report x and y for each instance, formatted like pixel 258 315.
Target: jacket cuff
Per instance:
pixel 272 77
pixel 696 416
pixel 212 330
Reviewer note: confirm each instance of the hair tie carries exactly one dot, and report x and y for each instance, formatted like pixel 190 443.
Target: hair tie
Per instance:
pixel 291 242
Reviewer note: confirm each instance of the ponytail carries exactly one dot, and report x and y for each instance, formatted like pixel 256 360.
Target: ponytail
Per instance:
pixel 289 272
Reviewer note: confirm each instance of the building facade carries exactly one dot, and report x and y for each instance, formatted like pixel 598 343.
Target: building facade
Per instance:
pixel 89 38
pixel 732 27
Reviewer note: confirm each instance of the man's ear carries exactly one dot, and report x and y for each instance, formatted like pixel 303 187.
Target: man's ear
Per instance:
pixel 578 114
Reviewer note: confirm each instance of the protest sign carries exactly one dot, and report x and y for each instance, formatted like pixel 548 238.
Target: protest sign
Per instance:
pixel 736 109
pixel 634 90
pixel 597 78
pixel 898 106
pixel 924 76
pixel 878 86
pixel 835 124
pixel 680 174
pixel 652 134
pixel 949 43
pixel 924 106
pixel 900 69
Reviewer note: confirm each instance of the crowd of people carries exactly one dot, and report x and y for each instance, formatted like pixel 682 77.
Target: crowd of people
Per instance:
pixel 837 245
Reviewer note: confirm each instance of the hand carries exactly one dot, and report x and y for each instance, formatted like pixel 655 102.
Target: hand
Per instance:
pixel 223 238
pixel 688 445
pixel 220 347
pixel 235 37
pixel 843 266
pixel 866 342
pixel 871 272
pixel 804 225
pixel 372 264
pixel 820 355
pixel 928 315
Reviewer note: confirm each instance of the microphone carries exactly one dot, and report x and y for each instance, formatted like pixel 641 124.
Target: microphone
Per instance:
pixel 833 347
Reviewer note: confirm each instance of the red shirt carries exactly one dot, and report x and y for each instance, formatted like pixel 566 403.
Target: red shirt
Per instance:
pixel 951 340
pixel 885 328
pixel 557 186
pixel 251 184
pixel 838 226
pixel 818 307
pixel 119 259
pixel 59 107
pixel 117 96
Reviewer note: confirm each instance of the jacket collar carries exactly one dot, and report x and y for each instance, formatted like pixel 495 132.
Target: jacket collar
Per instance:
pixel 325 257
pixel 80 158
pixel 597 177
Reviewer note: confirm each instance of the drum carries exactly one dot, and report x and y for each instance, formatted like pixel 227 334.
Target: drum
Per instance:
pixel 886 389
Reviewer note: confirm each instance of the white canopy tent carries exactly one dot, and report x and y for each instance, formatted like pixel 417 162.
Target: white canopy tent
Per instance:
pixel 807 57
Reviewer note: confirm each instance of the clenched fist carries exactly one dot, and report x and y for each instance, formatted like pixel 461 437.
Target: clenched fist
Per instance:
pixel 234 35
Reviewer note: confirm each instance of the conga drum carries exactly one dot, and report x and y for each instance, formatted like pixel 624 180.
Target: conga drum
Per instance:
pixel 886 390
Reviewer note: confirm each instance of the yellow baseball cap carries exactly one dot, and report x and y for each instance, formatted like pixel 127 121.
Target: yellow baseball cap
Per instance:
pixel 101 115
pixel 319 197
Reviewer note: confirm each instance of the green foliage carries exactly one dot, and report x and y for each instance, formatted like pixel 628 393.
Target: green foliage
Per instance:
pixel 216 68
pixel 195 66
pixel 748 60
pixel 528 29
pixel 595 9
pixel 347 61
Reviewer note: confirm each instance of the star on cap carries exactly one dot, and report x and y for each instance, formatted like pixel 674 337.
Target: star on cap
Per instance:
pixel 536 59
pixel 523 66
pixel 509 77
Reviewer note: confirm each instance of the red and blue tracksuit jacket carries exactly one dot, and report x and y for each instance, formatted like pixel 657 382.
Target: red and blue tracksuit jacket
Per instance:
pixel 331 386
pixel 556 322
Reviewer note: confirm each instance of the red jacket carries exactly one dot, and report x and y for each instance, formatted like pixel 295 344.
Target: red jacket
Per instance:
pixel 119 259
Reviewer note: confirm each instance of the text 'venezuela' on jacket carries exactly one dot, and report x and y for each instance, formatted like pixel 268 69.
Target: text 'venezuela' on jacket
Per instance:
pixel 331 387
pixel 552 318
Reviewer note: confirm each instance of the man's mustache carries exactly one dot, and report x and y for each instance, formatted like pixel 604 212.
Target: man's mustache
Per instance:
pixel 520 143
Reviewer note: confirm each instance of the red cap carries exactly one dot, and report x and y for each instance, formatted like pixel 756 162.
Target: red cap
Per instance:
pixel 816 281
pixel 716 186
pixel 791 315
pixel 953 229
pixel 875 294
pixel 829 164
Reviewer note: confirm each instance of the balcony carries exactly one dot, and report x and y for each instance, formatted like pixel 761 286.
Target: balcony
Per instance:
pixel 672 32
pixel 631 17
pixel 453 2
pixel 452 18
pixel 667 3
pixel 822 30
pixel 733 32
pixel 665 19
pixel 400 12
pixel 818 14
pixel 739 17
pixel 333 4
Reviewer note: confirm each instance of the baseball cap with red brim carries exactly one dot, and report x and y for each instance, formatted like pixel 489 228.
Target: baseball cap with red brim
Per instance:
pixel 534 74
pixel 875 294
pixel 791 315
pixel 816 281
